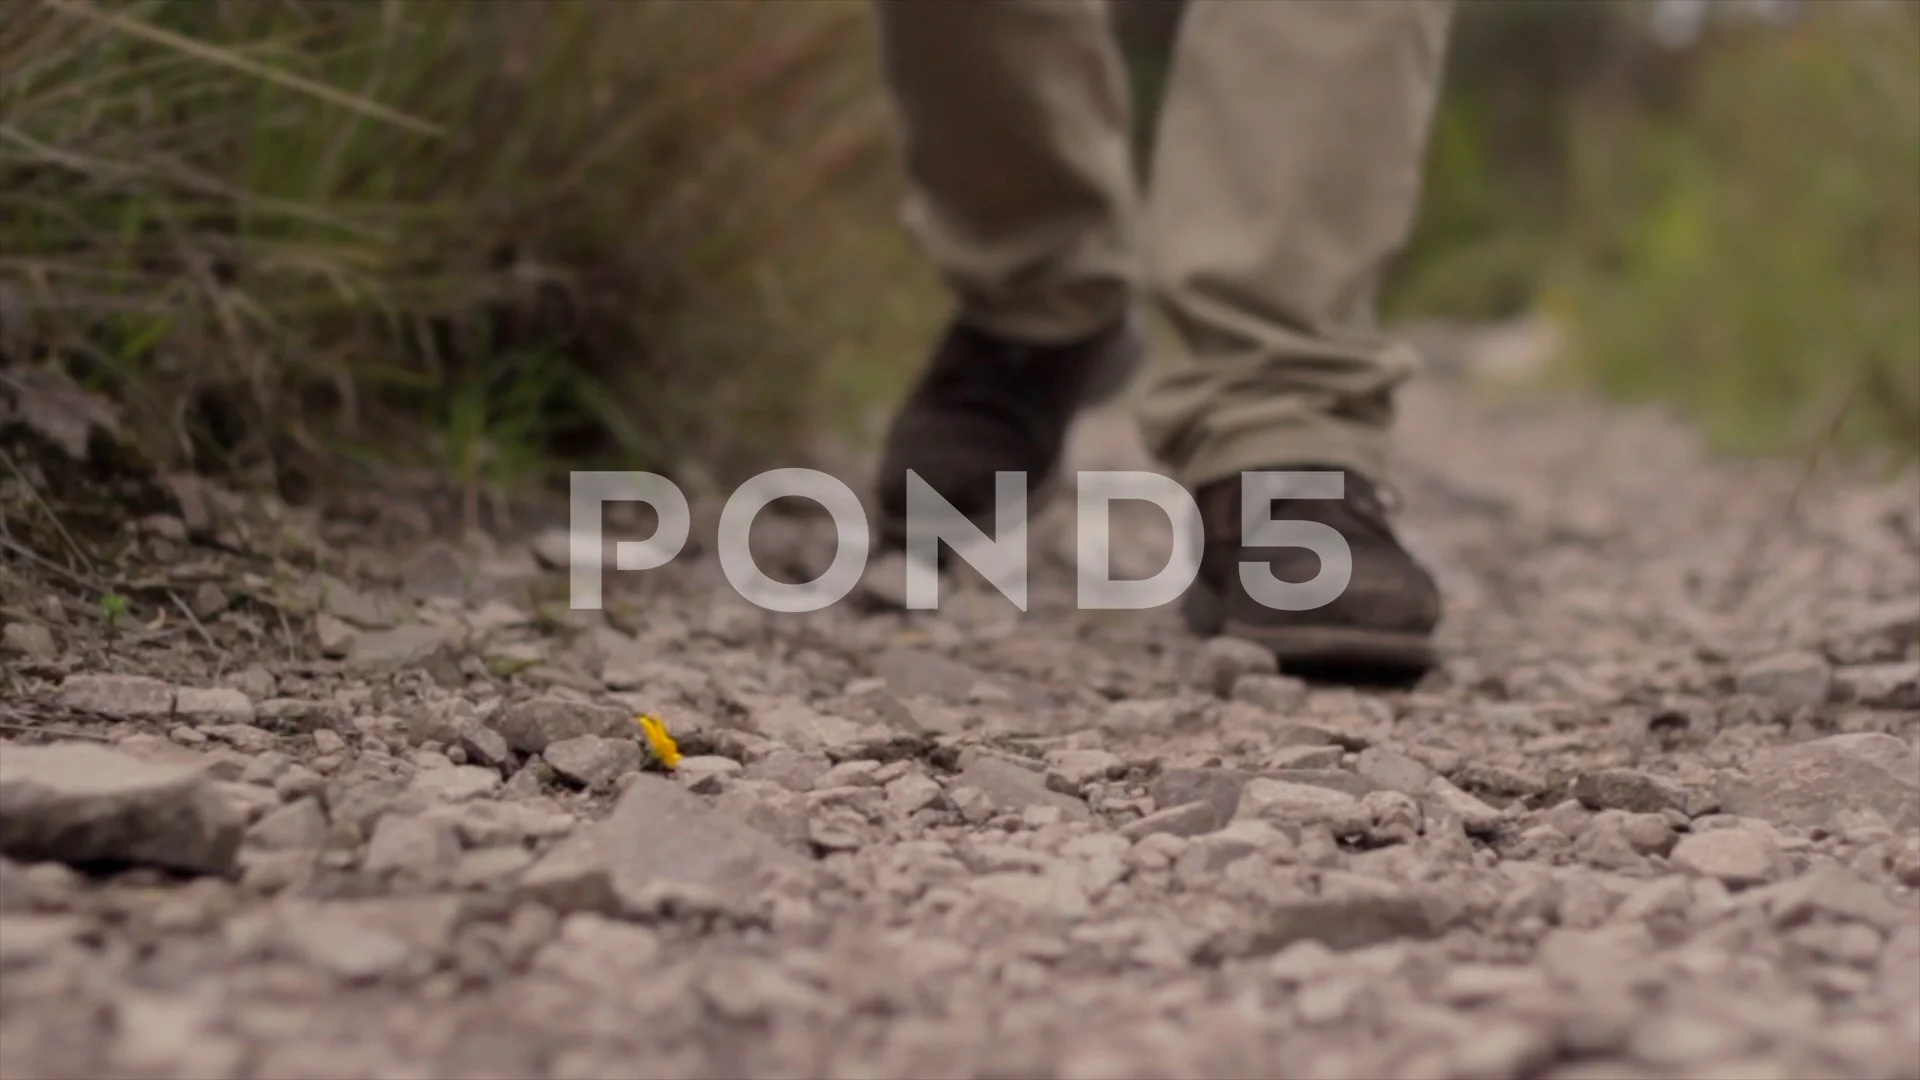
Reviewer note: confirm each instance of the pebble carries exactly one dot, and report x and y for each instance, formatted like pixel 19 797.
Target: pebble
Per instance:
pixel 1795 679
pixel 591 761
pixel 300 825
pixel 419 845
pixel 1223 661
pixel 529 726
pixel 1628 789
pixel 81 803
pixel 706 774
pixel 31 640
pixel 1813 784
pixel 117 697
pixel 1285 803
pixel 1736 857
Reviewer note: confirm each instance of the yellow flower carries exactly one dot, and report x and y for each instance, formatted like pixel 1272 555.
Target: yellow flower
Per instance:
pixel 665 750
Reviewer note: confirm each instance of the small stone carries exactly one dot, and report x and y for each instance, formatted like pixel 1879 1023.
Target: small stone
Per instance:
pixel 1393 771
pixel 1671 1039
pixel 1341 923
pixel 1737 857
pixel 1605 843
pixel 31 640
pixel 81 803
pixel 482 746
pixel 257 683
pixel 488 866
pixel 218 705
pixel 298 782
pixel 251 801
pixel 1305 735
pixel 1476 817
pixel 1629 790
pixel 1648 834
pixel 1219 788
pixel 1302 804
pixel 1815 784
pixel 1794 679
pixel 1012 787
pixel 1188 819
pixel 1052 892
pixel 803 728
pixel 573 877
pixel 118 697
pixel 329 937
pixel 1270 693
pixel 453 783
pixel 1836 891
pixel 792 769
pixel 402 646
pixel 912 793
pixel 1213 852
pixel 369 610
pixel 529 726
pixel 660 832
pixel 209 600
pixel 333 635
pixel 418 845
pixel 921 673
pixel 1395 817
pixel 1223 661
pixel 857 773
pixel 1306 757
pixel 242 737
pixel 1894 685
pixel 1070 771
pixel 591 761
pixel 1340 780
pixel 769 808
pixel 300 825
pixel 707 774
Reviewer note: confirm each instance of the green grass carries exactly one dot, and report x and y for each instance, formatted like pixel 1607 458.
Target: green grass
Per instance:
pixel 1734 229
pixel 469 235
pixel 1757 259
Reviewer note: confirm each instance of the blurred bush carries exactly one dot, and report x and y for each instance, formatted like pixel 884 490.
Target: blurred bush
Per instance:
pixel 1730 221
pixel 465 234
pixel 478 235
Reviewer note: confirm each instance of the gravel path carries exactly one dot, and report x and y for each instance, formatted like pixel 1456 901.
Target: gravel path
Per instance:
pixel 1658 817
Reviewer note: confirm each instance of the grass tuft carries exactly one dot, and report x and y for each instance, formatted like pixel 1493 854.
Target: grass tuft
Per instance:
pixel 467 235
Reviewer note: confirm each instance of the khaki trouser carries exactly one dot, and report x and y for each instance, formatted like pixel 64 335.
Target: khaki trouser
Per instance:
pixel 1285 175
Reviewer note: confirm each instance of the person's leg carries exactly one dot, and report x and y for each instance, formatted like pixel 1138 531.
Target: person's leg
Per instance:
pixel 1285 177
pixel 1013 122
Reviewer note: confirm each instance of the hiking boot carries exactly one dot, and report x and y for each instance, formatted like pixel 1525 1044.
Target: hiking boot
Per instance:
pixel 984 405
pixel 1380 627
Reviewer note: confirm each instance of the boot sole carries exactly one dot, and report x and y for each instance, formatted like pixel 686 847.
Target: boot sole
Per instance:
pixel 1344 653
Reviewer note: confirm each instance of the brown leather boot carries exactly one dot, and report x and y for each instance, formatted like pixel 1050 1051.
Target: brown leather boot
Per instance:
pixel 1380 627
pixel 985 404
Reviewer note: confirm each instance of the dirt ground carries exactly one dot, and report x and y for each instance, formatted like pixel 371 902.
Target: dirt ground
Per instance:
pixel 341 799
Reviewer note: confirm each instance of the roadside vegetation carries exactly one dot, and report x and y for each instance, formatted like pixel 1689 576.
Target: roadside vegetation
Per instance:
pixel 1730 224
pixel 293 239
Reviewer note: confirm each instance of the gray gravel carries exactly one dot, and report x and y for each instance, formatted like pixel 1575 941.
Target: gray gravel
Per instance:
pixel 1659 816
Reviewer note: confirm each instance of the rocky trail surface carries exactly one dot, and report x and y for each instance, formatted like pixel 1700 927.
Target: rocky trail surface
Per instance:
pixel 1658 816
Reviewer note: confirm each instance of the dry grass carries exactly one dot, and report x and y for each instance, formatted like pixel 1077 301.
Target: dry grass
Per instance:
pixel 468 235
